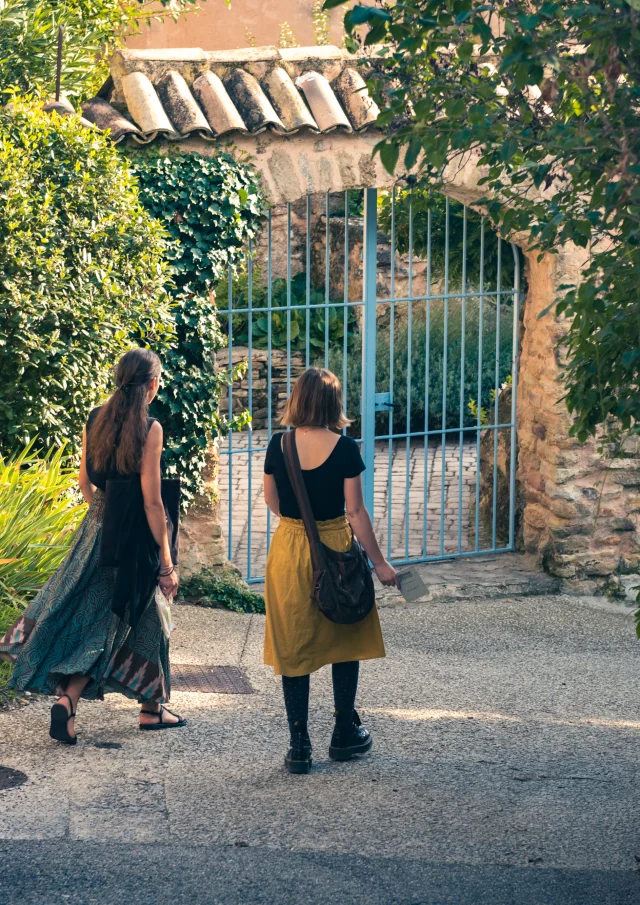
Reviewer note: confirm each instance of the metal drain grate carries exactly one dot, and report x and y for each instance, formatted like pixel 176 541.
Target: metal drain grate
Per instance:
pixel 209 679
pixel 11 779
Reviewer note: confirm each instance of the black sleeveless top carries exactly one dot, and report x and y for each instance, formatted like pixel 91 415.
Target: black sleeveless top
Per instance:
pixel 325 484
pixel 99 478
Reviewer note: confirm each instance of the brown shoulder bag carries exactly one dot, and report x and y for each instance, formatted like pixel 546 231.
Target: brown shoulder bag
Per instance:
pixel 342 584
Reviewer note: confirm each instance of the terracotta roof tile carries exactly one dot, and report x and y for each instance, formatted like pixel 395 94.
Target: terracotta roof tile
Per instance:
pixel 178 93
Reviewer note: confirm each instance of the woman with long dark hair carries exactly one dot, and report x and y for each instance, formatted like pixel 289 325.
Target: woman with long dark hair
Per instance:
pixel 299 639
pixel 94 626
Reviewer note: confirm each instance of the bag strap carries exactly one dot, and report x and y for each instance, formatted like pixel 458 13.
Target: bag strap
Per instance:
pixel 292 463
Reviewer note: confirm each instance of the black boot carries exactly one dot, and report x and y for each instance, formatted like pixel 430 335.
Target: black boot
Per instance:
pixel 349 737
pixel 298 757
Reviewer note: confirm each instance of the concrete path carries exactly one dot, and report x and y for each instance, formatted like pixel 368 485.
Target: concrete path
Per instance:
pixel 505 771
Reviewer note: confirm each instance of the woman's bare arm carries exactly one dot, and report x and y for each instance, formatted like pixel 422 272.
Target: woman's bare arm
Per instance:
pixel 363 529
pixel 151 477
pixel 86 487
pixel 271 497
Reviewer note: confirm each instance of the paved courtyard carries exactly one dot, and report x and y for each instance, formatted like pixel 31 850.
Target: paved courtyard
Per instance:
pixel 407 500
pixel 504 772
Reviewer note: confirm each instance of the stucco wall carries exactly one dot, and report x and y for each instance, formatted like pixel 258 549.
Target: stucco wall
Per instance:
pixel 216 27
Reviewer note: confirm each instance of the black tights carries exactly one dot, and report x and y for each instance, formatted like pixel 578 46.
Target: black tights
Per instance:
pixel 345 685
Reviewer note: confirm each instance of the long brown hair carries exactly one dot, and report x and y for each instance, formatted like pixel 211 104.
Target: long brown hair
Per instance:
pixel 315 401
pixel 119 432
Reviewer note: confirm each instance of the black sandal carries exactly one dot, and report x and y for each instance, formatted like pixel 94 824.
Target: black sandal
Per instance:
pixel 59 729
pixel 161 725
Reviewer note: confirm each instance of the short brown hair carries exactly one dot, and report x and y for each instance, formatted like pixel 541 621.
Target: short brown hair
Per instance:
pixel 315 401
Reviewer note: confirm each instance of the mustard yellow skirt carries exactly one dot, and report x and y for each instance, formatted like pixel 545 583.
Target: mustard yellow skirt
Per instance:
pixel 298 638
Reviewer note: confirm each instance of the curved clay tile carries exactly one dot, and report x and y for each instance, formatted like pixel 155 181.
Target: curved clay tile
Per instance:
pixel 145 108
pixel 360 106
pixel 180 105
pixel 251 102
pixel 217 105
pixel 63 107
pixel 287 101
pixel 104 116
pixel 324 104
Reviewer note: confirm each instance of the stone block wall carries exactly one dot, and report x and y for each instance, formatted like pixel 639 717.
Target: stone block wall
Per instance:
pixel 201 541
pixel 260 395
pixel 581 511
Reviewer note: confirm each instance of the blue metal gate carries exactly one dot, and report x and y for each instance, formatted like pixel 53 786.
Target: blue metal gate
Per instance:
pixel 402 296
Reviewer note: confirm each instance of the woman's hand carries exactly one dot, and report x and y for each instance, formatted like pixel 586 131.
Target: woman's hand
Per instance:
pixel 169 584
pixel 387 574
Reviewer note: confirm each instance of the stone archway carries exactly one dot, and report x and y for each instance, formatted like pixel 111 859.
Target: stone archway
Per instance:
pixel 580 514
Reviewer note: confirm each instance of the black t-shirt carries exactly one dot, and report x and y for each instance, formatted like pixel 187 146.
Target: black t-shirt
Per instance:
pixel 325 484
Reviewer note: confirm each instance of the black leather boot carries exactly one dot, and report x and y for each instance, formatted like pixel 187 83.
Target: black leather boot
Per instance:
pixel 349 737
pixel 298 757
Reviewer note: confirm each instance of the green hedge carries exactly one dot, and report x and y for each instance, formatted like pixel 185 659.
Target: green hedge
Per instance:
pixel 82 274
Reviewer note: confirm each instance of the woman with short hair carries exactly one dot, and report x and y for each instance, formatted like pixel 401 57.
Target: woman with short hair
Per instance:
pixel 299 639
pixel 95 628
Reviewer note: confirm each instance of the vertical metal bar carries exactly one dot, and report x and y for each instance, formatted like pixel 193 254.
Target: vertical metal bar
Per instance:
pixel 392 339
pixel 494 518
pixel 308 286
pixel 288 298
pixel 515 364
pixel 369 253
pixel 463 301
pixel 427 388
pixel 269 342
pixel 407 486
pixel 345 310
pixel 230 437
pixel 479 413
pixel 250 407
pixel 445 340
pixel 327 277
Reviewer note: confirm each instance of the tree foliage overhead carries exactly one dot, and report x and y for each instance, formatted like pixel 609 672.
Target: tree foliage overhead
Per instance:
pixel 547 92
pixel 93 29
pixel 82 274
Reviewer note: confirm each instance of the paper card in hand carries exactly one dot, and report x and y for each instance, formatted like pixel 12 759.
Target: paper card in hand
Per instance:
pixel 412 587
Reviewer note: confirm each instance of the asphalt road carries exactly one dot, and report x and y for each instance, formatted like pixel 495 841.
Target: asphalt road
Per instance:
pixel 48 873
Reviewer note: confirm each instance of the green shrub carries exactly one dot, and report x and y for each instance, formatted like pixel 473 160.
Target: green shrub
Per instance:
pixel 220 589
pixel 82 274
pixel 298 316
pixel 38 517
pixel 211 207
pixel 386 365
pixel 422 202
pixel 93 29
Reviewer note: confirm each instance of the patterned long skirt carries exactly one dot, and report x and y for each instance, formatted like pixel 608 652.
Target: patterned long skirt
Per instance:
pixel 69 629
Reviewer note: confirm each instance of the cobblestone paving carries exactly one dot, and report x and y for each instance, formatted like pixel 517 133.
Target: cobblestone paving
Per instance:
pixel 399 500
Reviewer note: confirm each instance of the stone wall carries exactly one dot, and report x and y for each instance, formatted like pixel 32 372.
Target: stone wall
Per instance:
pixel 201 541
pixel 260 396
pixel 581 511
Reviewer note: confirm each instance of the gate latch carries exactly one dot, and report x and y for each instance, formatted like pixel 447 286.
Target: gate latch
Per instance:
pixel 382 402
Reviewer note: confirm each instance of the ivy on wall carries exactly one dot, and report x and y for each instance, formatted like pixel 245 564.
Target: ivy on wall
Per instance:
pixel 211 208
